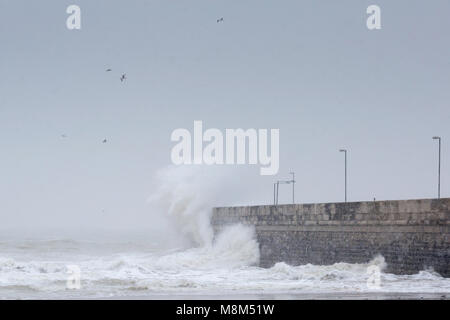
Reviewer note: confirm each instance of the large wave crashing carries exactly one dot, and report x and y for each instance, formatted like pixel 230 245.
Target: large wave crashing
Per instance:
pixel 186 196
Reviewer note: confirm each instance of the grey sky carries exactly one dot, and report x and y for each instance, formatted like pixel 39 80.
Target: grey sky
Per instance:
pixel 310 68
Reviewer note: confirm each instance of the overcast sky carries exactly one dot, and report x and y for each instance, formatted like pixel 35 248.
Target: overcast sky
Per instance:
pixel 309 68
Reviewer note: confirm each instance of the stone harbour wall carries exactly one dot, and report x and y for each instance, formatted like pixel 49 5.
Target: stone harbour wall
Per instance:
pixel 411 235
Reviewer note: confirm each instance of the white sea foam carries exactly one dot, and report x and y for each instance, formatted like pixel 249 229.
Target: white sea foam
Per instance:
pixel 185 197
pixel 234 247
pixel 216 270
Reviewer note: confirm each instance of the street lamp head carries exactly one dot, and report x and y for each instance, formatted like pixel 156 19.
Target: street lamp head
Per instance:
pixel 436 138
pixel 342 150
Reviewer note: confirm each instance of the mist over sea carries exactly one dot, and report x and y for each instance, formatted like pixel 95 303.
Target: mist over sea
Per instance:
pixel 182 258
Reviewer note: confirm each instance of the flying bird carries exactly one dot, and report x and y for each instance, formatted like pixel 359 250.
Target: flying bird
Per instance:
pixel 123 77
pixel 220 20
pixel 108 70
pixel 63 136
pixel 105 141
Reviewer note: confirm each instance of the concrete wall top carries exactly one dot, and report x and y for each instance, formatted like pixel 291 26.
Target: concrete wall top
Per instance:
pixel 388 206
pixel 418 211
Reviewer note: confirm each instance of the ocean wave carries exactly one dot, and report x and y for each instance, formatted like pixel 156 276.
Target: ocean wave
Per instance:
pixel 141 274
pixel 222 265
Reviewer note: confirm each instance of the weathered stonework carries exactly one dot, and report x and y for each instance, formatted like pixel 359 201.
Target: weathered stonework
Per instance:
pixel 412 235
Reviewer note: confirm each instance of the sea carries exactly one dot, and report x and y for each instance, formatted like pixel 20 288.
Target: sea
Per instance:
pixel 139 266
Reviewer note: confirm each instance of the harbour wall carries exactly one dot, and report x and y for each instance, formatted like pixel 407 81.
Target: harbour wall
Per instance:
pixel 412 235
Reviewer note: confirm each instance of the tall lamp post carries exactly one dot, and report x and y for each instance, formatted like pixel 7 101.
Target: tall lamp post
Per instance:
pixel 274 194
pixel 439 166
pixel 293 186
pixel 345 152
pixel 276 186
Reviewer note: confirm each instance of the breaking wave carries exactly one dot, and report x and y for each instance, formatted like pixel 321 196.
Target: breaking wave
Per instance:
pixel 207 265
pixel 213 270
pixel 185 199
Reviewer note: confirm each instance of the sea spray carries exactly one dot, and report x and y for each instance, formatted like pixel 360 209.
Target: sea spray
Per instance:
pixel 234 247
pixel 186 196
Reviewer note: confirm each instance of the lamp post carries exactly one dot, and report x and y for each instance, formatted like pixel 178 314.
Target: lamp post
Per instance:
pixel 345 152
pixel 293 186
pixel 439 166
pixel 276 187
pixel 274 192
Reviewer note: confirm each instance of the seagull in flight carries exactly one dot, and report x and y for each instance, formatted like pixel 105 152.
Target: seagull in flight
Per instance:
pixel 108 70
pixel 123 77
pixel 105 141
pixel 219 20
